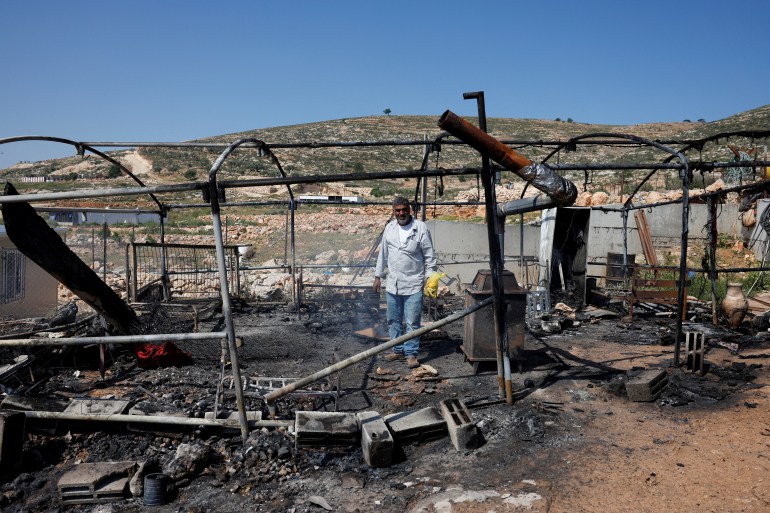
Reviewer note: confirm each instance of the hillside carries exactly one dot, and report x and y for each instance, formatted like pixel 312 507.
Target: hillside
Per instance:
pixel 166 165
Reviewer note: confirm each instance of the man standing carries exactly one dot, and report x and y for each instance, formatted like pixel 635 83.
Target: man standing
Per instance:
pixel 406 250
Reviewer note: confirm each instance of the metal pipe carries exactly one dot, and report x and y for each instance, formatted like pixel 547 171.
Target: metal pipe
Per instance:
pixel 540 176
pixel 520 206
pixel 712 270
pixel 493 239
pixel 121 339
pixel 296 385
pixel 681 306
pixel 224 288
pixel 154 419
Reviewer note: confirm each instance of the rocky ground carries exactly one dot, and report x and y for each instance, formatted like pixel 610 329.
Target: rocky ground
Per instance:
pixel 571 442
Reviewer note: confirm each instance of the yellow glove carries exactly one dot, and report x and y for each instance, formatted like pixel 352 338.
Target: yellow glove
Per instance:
pixel 431 285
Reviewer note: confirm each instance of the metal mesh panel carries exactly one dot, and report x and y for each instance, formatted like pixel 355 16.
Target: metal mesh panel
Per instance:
pixel 192 270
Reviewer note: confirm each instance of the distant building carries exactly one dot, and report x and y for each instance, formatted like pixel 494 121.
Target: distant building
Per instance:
pixel 330 199
pixel 76 217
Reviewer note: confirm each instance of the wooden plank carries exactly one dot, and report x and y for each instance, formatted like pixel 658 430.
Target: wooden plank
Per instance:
pixel 648 295
pixel 643 229
pixel 656 283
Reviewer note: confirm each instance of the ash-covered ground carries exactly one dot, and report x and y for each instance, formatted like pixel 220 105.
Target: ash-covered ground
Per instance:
pixel 572 441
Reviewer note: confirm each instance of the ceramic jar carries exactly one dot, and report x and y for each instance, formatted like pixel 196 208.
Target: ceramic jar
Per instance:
pixel 735 305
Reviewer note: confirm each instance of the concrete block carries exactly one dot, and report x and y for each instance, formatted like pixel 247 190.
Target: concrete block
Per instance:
pixel 417 426
pixel 462 429
pixel 233 416
pixel 647 386
pixel 376 441
pixel 96 482
pixel 321 428
pixel 98 406
pixel 12 425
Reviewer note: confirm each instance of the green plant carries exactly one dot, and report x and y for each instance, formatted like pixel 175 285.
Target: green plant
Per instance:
pixel 190 174
pixel 113 171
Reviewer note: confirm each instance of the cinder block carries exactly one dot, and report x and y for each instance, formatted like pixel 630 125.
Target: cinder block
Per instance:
pixel 97 406
pixel 647 386
pixel 322 428
pixel 251 416
pixel 12 425
pixel 416 426
pixel 96 482
pixel 462 429
pixel 376 441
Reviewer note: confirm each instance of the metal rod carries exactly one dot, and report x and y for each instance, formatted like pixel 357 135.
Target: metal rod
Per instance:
pixel 154 419
pixel 121 339
pixel 291 387
pixel 712 270
pixel 224 288
pixel 681 305
pixel 484 146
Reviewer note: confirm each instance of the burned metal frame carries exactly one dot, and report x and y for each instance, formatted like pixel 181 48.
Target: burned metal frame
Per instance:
pixel 213 192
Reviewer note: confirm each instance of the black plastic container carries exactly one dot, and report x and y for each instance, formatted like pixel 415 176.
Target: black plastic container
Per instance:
pixel 155 486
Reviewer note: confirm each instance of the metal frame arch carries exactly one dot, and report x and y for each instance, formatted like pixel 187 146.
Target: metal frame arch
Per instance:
pixel 639 140
pixel 81 148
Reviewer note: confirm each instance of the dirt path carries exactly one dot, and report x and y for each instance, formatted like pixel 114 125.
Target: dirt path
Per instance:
pixel 139 166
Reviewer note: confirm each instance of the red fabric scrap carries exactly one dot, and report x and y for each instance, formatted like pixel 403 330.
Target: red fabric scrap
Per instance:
pixel 167 354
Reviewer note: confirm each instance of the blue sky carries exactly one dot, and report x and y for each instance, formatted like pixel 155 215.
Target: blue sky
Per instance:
pixel 153 70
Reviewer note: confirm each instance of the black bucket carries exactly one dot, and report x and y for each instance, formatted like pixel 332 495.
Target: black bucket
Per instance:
pixel 155 486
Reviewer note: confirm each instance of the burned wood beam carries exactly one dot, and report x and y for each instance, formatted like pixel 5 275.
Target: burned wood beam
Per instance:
pixel 41 244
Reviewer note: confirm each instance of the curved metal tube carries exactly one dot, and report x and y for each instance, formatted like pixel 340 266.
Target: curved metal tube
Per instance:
pixel 80 148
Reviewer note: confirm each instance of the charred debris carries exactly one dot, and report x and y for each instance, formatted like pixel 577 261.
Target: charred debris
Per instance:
pixel 159 388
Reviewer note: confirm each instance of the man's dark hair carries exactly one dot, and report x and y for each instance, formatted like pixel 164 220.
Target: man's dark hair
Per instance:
pixel 400 200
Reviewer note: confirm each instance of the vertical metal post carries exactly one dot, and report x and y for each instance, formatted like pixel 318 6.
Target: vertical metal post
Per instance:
pixel 423 213
pixel 164 279
pixel 224 289
pixel 293 208
pixel 134 279
pixel 495 262
pixel 624 216
pixel 237 257
pixel 684 174
pixel 104 252
pixel 712 270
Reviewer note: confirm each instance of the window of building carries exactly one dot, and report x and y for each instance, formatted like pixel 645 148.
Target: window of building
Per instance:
pixel 12 265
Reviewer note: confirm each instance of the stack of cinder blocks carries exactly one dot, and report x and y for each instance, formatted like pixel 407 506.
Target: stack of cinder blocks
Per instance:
pixel 379 435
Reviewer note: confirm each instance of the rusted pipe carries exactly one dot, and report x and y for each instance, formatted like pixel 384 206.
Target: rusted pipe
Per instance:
pixel 540 176
pixel 296 385
pixel 121 339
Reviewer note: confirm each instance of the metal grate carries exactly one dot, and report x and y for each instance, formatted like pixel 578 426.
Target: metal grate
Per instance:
pixel 191 270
